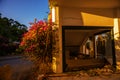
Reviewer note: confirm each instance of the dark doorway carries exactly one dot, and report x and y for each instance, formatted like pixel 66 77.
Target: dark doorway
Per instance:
pixel 81 44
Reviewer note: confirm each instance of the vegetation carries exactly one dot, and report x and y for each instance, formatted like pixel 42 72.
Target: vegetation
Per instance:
pixel 10 35
pixel 38 45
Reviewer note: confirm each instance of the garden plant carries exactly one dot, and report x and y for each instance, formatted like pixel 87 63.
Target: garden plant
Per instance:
pixel 38 46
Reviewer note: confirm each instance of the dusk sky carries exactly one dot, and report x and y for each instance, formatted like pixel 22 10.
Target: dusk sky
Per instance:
pixel 24 11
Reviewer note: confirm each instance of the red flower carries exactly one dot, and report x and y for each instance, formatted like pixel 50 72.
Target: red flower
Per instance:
pixel 22 43
pixel 36 35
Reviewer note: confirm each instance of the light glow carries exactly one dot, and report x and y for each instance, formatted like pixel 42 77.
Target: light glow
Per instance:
pixel 53 14
pixel 54 64
pixel 116 28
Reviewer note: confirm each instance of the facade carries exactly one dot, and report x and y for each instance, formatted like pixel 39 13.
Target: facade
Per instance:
pixel 81 27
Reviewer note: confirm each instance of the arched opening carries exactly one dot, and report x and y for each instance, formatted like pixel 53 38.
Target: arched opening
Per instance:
pixel 86 47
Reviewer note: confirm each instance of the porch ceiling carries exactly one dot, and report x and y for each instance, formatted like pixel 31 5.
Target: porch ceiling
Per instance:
pixel 77 37
pixel 89 3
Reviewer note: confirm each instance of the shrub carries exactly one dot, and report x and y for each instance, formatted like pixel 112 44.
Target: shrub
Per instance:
pixel 37 44
pixel 7 48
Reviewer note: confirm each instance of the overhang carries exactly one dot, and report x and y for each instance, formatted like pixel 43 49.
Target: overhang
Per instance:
pixel 89 3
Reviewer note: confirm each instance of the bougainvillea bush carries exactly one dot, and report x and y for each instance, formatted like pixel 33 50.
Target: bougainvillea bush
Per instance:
pixel 37 44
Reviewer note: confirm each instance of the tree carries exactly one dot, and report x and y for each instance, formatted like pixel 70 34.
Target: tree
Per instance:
pixel 0 15
pixel 10 31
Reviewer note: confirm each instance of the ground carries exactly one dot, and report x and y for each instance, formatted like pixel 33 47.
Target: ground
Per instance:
pixel 105 73
pixel 77 77
pixel 20 65
pixel 104 76
pixel 14 68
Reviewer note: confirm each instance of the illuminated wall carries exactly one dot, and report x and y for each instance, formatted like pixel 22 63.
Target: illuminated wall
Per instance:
pixel 117 33
pixel 87 17
pixel 94 17
pixel 73 16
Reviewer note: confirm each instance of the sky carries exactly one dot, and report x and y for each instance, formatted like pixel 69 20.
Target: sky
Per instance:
pixel 24 11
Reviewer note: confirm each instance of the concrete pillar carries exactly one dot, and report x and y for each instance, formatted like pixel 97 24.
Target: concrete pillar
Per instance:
pixel 116 23
pixel 117 32
pixel 57 62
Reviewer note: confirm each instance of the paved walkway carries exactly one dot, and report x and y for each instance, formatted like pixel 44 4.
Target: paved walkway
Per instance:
pixel 16 62
pixel 9 57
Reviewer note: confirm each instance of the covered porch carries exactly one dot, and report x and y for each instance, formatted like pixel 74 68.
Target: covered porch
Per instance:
pixel 81 24
pixel 86 47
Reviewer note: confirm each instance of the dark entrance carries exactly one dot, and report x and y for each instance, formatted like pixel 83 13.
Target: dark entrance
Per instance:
pixel 87 47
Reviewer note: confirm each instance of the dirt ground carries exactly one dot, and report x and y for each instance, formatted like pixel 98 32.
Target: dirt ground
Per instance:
pixel 105 73
pixel 115 76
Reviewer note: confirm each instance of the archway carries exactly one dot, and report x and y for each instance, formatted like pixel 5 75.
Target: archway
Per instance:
pixel 80 46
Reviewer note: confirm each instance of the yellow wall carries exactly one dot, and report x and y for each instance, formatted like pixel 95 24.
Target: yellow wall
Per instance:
pixel 67 16
pixel 57 62
pixel 87 16
pixel 117 33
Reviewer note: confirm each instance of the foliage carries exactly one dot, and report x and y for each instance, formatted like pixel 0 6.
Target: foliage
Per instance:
pixel 10 31
pixel 37 44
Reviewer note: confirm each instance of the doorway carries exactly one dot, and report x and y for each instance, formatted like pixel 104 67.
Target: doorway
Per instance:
pixel 81 44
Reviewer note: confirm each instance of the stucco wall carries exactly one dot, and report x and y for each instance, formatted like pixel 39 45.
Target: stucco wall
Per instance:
pixel 117 39
pixel 68 16
pixel 87 16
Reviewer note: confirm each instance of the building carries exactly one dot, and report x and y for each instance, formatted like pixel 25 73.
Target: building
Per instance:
pixel 84 25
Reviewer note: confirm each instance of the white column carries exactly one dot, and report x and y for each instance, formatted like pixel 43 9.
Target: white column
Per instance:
pixel 116 24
